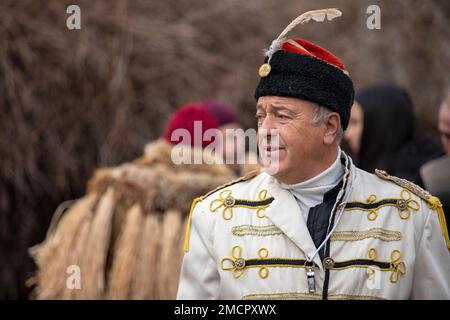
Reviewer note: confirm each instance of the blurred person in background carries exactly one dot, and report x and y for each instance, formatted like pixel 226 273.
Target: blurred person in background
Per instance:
pixel 382 133
pixel 436 173
pixel 353 134
pixel 125 235
pixel 233 146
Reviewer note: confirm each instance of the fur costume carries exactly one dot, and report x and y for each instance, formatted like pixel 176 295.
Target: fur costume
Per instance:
pixel 126 234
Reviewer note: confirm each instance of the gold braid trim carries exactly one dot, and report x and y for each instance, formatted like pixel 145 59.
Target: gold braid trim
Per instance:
pixel 306 296
pixel 250 230
pixel 425 195
pixel 283 296
pixel 352 297
pixel 248 176
pixel 433 202
pixel 377 233
pixel 188 226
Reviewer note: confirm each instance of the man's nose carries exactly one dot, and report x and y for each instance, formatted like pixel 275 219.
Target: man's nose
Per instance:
pixel 268 130
pixel 268 123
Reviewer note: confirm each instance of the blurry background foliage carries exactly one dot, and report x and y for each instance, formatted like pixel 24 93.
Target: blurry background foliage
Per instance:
pixel 71 101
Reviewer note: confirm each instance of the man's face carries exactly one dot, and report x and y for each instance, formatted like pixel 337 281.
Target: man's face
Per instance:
pixel 232 146
pixel 444 126
pixel 355 128
pixel 300 141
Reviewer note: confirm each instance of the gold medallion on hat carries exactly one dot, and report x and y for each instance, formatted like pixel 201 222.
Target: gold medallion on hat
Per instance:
pixel 264 70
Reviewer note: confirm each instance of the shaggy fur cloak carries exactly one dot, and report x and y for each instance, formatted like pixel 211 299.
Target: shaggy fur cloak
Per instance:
pixel 126 234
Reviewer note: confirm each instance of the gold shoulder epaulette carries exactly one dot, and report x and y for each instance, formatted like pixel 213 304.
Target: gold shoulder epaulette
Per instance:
pixel 247 177
pixel 420 192
pixel 433 202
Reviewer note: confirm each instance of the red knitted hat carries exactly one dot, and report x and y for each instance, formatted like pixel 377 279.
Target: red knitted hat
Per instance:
pixel 222 112
pixel 185 118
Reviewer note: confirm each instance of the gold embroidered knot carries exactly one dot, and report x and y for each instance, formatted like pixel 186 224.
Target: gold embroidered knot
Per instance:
pixel 236 264
pixel 373 214
pixel 262 196
pixel 398 266
pixel 373 253
pixel 406 204
pixel 228 202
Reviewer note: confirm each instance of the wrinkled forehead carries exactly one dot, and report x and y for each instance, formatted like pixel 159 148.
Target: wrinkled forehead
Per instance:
pixel 276 103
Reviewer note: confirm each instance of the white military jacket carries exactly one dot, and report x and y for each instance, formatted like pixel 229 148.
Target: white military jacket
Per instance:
pixel 249 240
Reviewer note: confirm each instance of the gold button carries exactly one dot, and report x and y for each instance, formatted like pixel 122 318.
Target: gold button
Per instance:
pixel 401 204
pixel 328 263
pixel 239 263
pixel 264 70
pixel 229 201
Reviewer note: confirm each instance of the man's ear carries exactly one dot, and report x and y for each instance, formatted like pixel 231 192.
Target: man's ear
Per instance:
pixel 332 126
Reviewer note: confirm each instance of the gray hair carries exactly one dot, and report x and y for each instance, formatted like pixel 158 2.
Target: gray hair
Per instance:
pixel 320 114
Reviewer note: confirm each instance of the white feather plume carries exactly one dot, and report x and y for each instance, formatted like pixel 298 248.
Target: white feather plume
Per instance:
pixel 316 15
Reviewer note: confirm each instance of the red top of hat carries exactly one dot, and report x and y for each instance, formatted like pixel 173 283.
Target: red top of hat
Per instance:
pixel 184 118
pixel 303 47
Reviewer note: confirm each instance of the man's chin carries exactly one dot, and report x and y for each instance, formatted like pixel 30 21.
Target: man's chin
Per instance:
pixel 275 169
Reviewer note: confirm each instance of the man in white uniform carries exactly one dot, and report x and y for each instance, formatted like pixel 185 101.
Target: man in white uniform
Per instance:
pixel 316 227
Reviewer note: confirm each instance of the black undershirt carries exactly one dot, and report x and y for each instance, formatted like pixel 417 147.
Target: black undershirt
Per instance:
pixel 319 217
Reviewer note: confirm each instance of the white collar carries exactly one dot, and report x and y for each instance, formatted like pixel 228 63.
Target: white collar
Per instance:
pixel 288 218
pixel 312 190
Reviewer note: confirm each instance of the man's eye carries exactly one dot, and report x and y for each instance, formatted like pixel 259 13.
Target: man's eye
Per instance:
pixel 282 117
